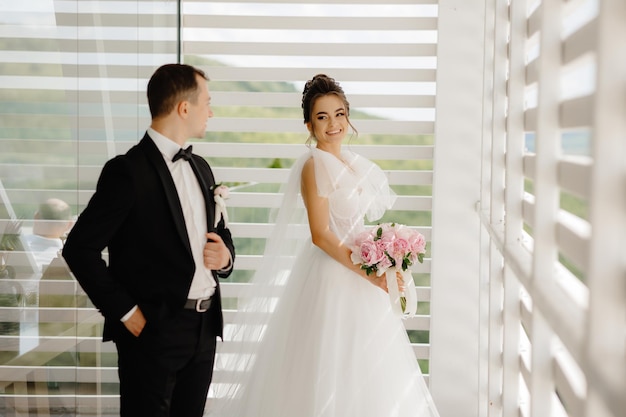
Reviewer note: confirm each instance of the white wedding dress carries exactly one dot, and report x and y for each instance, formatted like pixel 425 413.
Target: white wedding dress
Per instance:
pixel 332 346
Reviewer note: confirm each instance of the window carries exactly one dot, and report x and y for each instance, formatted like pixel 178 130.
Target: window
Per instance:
pixel 72 91
pixel 259 56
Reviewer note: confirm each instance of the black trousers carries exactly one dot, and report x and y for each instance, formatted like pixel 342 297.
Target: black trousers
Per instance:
pixel 166 371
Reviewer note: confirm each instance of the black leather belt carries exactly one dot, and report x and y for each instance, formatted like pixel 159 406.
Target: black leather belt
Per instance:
pixel 200 305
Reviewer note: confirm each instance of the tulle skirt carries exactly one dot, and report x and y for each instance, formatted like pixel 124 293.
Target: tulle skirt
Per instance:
pixel 332 349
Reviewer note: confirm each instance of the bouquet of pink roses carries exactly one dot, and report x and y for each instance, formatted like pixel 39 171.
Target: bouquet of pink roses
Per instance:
pixel 390 248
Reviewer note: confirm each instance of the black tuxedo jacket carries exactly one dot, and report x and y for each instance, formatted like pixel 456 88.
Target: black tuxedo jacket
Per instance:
pixel 136 213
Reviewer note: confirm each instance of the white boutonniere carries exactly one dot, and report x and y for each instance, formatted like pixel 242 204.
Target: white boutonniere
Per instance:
pixel 220 194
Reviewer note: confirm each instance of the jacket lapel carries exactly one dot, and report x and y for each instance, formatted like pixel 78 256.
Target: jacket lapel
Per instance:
pixel 156 159
pixel 206 192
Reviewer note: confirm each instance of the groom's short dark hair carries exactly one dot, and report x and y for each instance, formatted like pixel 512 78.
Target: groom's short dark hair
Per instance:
pixel 171 84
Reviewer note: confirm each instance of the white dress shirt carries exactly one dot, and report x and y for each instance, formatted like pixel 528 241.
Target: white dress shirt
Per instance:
pixel 194 209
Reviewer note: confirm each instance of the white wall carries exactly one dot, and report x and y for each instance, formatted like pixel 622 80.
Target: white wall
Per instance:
pixel 454 365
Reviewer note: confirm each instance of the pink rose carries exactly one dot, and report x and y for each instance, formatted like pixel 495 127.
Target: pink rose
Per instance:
pixel 418 244
pixel 401 247
pixel 387 228
pixel 405 232
pixel 383 265
pixel 388 235
pixel 385 242
pixel 370 253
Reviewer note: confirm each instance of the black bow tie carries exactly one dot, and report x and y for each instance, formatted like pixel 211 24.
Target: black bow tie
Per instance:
pixel 183 153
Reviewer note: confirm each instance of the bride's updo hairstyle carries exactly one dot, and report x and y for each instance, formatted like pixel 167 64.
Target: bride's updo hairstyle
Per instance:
pixel 319 86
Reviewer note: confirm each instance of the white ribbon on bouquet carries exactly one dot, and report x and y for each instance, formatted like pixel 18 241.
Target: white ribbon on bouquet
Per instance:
pixel 410 293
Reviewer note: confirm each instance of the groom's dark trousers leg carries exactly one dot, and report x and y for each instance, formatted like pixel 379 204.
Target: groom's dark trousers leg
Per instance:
pixel 166 371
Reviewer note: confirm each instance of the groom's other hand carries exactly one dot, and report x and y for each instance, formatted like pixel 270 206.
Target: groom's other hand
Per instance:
pixel 216 254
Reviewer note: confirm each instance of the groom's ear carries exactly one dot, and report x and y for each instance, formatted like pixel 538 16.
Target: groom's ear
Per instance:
pixel 182 108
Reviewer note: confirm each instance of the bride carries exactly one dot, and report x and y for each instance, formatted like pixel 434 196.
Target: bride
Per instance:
pixel 315 336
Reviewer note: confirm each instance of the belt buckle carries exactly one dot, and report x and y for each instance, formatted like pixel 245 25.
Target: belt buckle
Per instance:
pixel 199 301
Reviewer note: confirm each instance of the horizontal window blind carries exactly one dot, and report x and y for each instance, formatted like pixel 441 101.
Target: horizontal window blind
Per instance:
pixel 558 131
pixel 72 91
pixel 259 55
pixel 73 77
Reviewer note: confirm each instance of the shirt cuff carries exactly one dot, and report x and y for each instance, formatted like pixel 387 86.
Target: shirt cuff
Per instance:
pixel 130 313
pixel 229 266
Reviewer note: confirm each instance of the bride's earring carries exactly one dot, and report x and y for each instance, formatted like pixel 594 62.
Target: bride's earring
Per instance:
pixel 309 140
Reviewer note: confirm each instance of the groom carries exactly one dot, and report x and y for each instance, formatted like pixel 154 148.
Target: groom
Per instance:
pixel 154 210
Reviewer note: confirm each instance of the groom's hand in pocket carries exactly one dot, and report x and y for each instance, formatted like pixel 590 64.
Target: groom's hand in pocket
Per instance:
pixel 135 323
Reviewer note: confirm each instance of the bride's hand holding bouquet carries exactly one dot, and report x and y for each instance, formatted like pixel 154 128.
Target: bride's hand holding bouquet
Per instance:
pixel 390 249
